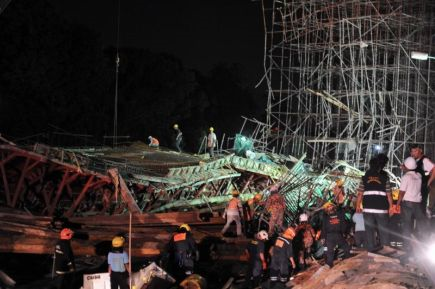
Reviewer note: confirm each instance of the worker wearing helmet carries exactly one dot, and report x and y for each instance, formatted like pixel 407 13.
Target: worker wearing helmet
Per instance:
pixel 249 211
pixel 118 264
pixel 303 240
pixel 275 205
pixel 333 229
pixel 178 137
pixel 256 259
pixel 234 213
pixel 64 259
pixel 211 142
pixel 183 247
pixel 153 142
pixel 281 257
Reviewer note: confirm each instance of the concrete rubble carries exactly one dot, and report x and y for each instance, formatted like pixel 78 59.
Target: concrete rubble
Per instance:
pixel 364 271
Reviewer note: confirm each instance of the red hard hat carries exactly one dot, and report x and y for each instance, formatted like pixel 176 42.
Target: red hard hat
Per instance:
pixel 66 234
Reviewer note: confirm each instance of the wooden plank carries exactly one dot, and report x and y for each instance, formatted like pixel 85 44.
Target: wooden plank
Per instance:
pixel 80 197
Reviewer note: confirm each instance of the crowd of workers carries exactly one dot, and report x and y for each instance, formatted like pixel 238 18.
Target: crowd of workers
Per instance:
pixel 179 140
pixel 383 217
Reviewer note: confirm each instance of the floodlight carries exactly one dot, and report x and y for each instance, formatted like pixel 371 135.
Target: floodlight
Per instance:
pixel 420 55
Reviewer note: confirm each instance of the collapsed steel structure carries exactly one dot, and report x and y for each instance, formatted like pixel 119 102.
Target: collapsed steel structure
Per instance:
pixel 342 84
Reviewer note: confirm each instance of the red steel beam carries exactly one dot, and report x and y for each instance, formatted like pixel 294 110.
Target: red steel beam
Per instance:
pixel 6 185
pixel 80 197
pixel 58 193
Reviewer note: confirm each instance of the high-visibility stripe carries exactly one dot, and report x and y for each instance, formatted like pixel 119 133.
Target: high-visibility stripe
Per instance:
pixel 376 211
pixel 376 193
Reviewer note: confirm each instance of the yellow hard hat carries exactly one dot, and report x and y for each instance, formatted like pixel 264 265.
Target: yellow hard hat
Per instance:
pixel 289 233
pixel 211 129
pixel 118 241
pixel 235 193
pixel 175 126
pixel 339 182
pixel 327 205
pixel 186 227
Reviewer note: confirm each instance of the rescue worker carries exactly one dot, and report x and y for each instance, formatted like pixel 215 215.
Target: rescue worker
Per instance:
pixel 338 192
pixel 118 264
pixel 333 229
pixel 185 252
pixel 249 211
pixel 374 197
pixel 178 138
pixel 256 259
pixel 211 142
pixel 426 168
pixel 64 260
pixel 281 257
pixel 275 205
pixel 153 142
pixel 233 213
pixel 303 240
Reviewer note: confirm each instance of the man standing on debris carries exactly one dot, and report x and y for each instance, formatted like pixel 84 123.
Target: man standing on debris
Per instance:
pixel 234 213
pixel 333 229
pixel 118 264
pixel 275 205
pixel 249 212
pixel 426 168
pixel 374 196
pixel 211 142
pixel 183 247
pixel 256 259
pixel 178 138
pixel 281 257
pixel 64 265
pixel 410 199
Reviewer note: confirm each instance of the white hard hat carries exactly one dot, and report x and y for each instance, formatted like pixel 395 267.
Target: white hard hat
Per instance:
pixel 303 218
pixel 410 163
pixel 262 235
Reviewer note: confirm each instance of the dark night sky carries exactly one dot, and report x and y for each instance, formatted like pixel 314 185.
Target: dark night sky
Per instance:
pixel 200 32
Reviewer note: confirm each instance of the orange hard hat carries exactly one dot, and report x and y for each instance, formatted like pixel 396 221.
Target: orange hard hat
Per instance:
pixel 258 197
pixel 289 233
pixel 66 234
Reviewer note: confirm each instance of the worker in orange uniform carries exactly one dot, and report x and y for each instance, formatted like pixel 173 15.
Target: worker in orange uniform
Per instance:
pixel 256 260
pixel 233 213
pixel 153 142
pixel 333 230
pixel 183 247
pixel 275 205
pixel 64 265
pixel 282 257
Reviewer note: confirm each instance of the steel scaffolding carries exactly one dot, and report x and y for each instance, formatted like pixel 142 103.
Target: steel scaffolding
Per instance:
pixel 341 82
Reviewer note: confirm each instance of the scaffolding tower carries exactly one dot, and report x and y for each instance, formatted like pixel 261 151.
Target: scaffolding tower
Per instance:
pixel 342 84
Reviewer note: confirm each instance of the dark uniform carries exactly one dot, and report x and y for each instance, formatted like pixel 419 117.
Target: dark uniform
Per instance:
pixel 183 246
pixel 375 186
pixel 333 228
pixel 282 251
pixel 255 265
pixel 64 264
pixel 424 180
